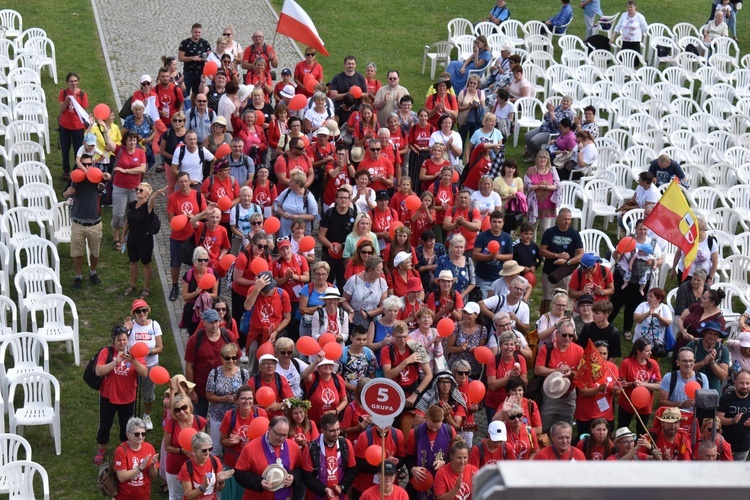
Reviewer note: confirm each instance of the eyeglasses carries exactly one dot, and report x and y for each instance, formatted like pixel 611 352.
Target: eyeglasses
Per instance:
pixel 202 260
pixel 244 400
pixel 201 100
pixel 375 149
pixel 220 308
pixel 87 164
pixel 462 373
pixel 514 417
pixel 504 325
pixel 686 360
pixel 184 408
pixel 321 275
pixel 286 353
pixel 392 78
pixel 178 120
pixel 279 435
pixel 207 450
pixel 262 247
pixel 567 335
pixel 231 358
pixel 142 310
pixel 256 223
pixel 139 434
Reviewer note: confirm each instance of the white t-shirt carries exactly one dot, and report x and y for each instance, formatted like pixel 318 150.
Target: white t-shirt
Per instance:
pixel 499 287
pixel 191 162
pixel 362 202
pixel 644 196
pixel 316 119
pixel 293 376
pixel 146 334
pixel 521 310
pixel 492 340
pixel 651 325
pixel 438 137
pixel 485 204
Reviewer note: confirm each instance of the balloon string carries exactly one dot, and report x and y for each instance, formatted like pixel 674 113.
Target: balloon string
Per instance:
pixel 635 411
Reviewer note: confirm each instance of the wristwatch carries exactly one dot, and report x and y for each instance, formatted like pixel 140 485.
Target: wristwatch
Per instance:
pixel 416 391
pixel 202 488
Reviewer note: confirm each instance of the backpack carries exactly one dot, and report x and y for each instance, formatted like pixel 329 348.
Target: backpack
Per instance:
pixel 602 270
pixel 155 223
pixel 321 316
pixel 673 382
pixel 257 383
pixel 192 115
pixel 201 334
pixel 316 382
pixel 206 165
pixel 89 373
pixel 480 448
pixel 314 450
pixel 436 188
pixel 448 96
pixel 534 389
pixel 188 247
pixel 244 326
pixel 189 466
pixel 393 433
pixel 280 202
pixel 470 211
pixel 106 481
pixel 242 374
pixel 233 415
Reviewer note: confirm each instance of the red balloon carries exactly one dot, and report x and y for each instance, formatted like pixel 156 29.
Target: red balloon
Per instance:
pixel 297 102
pixel 308 346
pixel 493 246
pixel 209 68
pixel 483 354
pixel 333 351
pixel 310 84
pixel 257 427
pixel 306 244
pixel 640 396
pixel 305 141
pixel 94 175
pixel 101 111
pixel 476 391
pixel 355 91
pixel 139 350
pixel 690 388
pixel 413 202
pixel 308 76
pixel 265 348
pixel 222 151
pixel 485 223
pixel 326 338
pixel 392 230
pixel 207 282
pixel 454 179
pixel 425 485
pixel 271 225
pixel 265 396
pixel 77 175
pixel 259 265
pixel 530 277
pixel 260 118
pixel 227 261
pixel 225 203
pixel 186 437
pixel 374 455
pixel 159 375
pixel 445 327
pixel 627 244
pixel 178 222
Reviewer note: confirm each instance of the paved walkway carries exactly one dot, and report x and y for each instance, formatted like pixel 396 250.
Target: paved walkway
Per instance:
pixel 160 28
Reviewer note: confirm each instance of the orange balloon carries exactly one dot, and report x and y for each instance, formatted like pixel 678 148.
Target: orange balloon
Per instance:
pixel 374 455
pixel 425 485
pixel 139 350
pixel 305 141
pixel 392 230
pixel 259 265
pixel 210 68
pixel 257 427
pixel 222 151
pixel 307 77
pixel 691 387
pixel 308 346
pixel 260 118
pixel 454 179
pixel 186 438
pixel 326 338
pixel 271 225
pixel 476 391
pixel 94 175
pixel 178 222
pixel 627 244
pixel 101 111
pixel 310 84
pixel 227 261
pixel 530 277
pixel 265 348
pixel 333 351
pixel 493 246
pixel 485 223
pixel 225 203
pixel 355 91
pixel 158 374
pixel 413 202
pixel 77 175
pixel 640 396
pixel 445 327
pixel 207 282
pixel 306 244
pixel 297 102
pixel 265 396
pixel 483 354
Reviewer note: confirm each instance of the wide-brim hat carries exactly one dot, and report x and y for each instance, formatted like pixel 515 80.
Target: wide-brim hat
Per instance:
pixel 275 475
pixel 714 326
pixel 244 92
pixel 623 432
pixel 556 385
pixel 446 81
pixel 357 154
pixel 288 91
pixel 671 415
pixel 510 268
pixel 333 127
pixel 445 274
pixel 332 293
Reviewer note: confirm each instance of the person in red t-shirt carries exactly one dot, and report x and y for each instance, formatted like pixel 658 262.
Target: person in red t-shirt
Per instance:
pixel 521 436
pixel 308 66
pixel 169 97
pixel 327 474
pixel 386 487
pixel 326 396
pixel 72 126
pixel 479 165
pixel 445 193
pixel 337 176
pixel 445 302
pixel 595 443
pixel 428 444
pixel 398 202
pixel 492 449
pixel 295 158
pixel 272 311
pixel 638 369
pixel 500 370
pixel 627 448
pixel 561 435
pixel 456 476
pixel 264 191
pixel 401 364
pixel 463 219
pixel 673 443
pixel 596 400
pixel 203 473
pixel 267 377
pixel 118 390
pixel 186 202
pixel 235 424
pixel 441 102
pixel 221 185
pixel 136 464
pixel 212 236
pixel 389 438
pixel 382 217
pixel 380 167
pixel 591 279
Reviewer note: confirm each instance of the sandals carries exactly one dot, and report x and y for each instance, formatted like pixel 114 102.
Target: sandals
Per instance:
pixel 129 290
pixel 117 245
pixel 145 293
pixel 628 336
pixel 159 169
pixel 99 457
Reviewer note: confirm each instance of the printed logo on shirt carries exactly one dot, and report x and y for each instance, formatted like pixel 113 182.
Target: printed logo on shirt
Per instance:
pixel 332 467
pixel 187 208
pixel 328 397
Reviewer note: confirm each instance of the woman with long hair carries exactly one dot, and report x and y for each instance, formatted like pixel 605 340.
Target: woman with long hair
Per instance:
pixel 431 168
pixel 356 264
pixel 225 319
pixel 638 370
pixel 244 277
pixel 470 101
pixel 423 218
pixel 311 295
pixel 277 128
pixel 446 192
pixel 182 418
pixel 356 419
pixel 367 127
pixel 596 445
pixel 509 185
pixel 362 230
pixel 419 145
pixel 294 129
pixel 71 126
pixel 541 185
pixel 506 365
pixel 303 430
pixel 427 255
pixel 445 301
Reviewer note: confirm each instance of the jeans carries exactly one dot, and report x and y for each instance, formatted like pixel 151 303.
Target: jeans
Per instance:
pixel 535 140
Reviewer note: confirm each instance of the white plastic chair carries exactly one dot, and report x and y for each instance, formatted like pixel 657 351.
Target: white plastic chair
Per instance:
pixel 8 316
pixel 571 42
pixel 605 24
pixel 574 58
pixel 12 23
pixel 464 45
pixel 624 179
pixel 681 30
pixel 27 35
pixel 629 58
pixel 588 75
pixel 622 109
pixel 22 151
pixel 705 154
pixel 458 27
pixel 55 325
pixel 738 198
pixel 607 156
pixel 573 198
pixel 40 406
pixel 726 46
pixel 737 124
pixel 24 130
pixel 28 172
pixel 727 220
pixel 7 189
pixel 12 449
pixel 635 90
pixel 737 155
pixel 677 154
pixel 721 140
pixel 606 90
pixel 527 109
pixel 496 41
pixel 6 116
pixel 557 73
pixel 606 142
pixel 60 223
pixel 741 79
pixel 719 108
pixel 683 139
pixel 540 43
pixel 629 219
pixel 593 239
pixel 485 28
pixel 532 28
pixel 663 91
pixel 723 63
pixel 438 52
pixel 701 124
pixel 37 196
pixel 685 107
pixel 572 88
pixel 38 251
pixel 537 77
pixel 601 201
pixel 732 292
pixel 20 477
pixel 622 137
pixel 695 175
pixel 648 75
pixel 724 176
pixel 671 123
pixel 29 353
pixel 639 156
pixel 602 59
pixel 541 58
pixel 32 284
pixel 689 62
pixel 741 243
pixel 705 199
pixel 513 29
pixel 640 124
pixel 680 78
pixel 17 227
pixel 35 112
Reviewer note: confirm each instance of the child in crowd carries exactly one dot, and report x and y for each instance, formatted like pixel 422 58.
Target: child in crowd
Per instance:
pixel 640 266
pixel 89 148
pixel 398 202
pixel 357 361
pixel 526 251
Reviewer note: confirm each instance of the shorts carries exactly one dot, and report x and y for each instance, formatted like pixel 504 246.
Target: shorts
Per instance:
pixel 548 288
pixel 147 387
pixel 174 252
pixel 141 250
pixel 81 236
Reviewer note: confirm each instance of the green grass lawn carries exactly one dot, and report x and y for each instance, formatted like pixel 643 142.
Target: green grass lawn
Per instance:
pixel 392 34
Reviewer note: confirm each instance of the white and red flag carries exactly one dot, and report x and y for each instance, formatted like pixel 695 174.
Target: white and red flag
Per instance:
pixel 297 25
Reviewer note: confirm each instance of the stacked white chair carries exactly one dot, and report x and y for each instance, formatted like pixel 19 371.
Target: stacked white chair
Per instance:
pixel 20 477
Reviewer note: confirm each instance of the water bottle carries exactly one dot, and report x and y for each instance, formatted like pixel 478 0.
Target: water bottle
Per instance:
pixel 123 247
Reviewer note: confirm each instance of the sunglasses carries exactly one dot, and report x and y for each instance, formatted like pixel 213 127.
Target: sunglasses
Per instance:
pixel 139 434
pixel 262 247
pixel 201 100
pixel 178 120
pixel 184 408
pixel 567 335
pixel 87 164
pixel 365 252
pixel 309 55
pixel 298 149
pixel 145 84
pixel 220 308
pixel 202 260
pixel 256 223
pixel 207 450
pixel 231 358
pixel 462 373
pixel 142 310
pixel 140 190
pixel 286 353
pixel 375 149
pixel 514 417
pixel 227 34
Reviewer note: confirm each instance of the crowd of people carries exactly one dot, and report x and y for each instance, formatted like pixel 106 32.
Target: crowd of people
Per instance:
pixel 419 217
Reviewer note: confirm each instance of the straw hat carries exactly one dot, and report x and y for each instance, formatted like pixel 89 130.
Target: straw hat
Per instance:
pixel 275 475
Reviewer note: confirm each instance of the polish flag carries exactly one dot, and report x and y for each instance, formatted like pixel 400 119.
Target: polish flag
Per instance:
pixel 297 25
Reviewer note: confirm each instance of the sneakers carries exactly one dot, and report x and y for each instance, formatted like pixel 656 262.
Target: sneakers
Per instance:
pixel 173 293
pixel 147 421
pixel 77 283
pixel 243 356
pixel 94 278
pixel 99 457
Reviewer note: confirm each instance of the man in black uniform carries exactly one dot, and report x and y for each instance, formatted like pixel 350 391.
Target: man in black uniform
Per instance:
pixel 335 226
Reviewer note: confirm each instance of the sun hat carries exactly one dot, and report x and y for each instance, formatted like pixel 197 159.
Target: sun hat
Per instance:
pixel 357 154
pixel 271 285
pixel 445 274
pixel 446 81
pixel 275 476
pixel 332 127
pixel 713 326
pixel 220 120
pixel 268 357
pixel 244 92
pixel 413 284
pixel 510 268
pixel 623 432
pixel 332 293
pixel 556 385
pixel 287 91
pixel 323 131
pixel 326 361
pixel 671 415
pixel 497 431
pixel 400 258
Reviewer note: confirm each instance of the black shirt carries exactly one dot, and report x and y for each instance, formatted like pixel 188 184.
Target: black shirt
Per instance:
pixel 342 82
pixel 139 222
pixel 85 202
pixel 592 332
pixel 213 97
pixel 557 242
pixel 339 226
pixel 527 255
pixel 191 49
pixel 736 434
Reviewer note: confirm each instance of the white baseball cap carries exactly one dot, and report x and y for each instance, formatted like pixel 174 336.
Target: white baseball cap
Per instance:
pixel 497 431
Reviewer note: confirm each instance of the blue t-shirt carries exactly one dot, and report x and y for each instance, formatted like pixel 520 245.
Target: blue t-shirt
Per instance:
pixel 490 269
pixel 678 396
